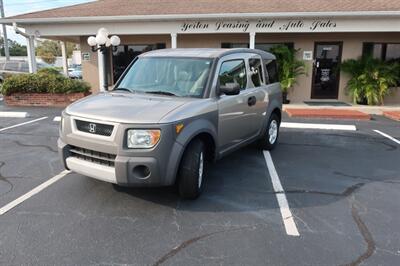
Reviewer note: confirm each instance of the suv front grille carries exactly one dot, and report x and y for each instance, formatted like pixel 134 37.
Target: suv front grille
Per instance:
pixel 94 128
pixel 93 156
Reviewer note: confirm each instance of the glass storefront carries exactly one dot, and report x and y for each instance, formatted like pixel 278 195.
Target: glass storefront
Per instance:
pixel 383 51
pixel 262 46
pixel 125 54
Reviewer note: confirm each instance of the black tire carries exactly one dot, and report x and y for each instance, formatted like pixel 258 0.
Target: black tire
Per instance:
pixel 190 183
pixel 267 142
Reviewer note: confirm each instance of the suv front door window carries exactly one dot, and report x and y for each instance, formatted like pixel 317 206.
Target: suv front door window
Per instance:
pixel 233 71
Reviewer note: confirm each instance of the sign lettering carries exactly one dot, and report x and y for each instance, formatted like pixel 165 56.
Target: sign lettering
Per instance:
pixel 260 25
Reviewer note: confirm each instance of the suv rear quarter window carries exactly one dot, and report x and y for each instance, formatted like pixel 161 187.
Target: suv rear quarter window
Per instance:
pixel 272 71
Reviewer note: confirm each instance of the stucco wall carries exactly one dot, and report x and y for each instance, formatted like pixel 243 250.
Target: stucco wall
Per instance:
pixel 90 71
pixel 352 48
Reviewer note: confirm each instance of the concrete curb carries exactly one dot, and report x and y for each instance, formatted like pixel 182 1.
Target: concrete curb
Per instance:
pixel 394 115
pixel 328 113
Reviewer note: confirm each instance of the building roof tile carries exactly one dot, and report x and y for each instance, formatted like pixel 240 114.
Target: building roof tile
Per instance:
pixel 171 7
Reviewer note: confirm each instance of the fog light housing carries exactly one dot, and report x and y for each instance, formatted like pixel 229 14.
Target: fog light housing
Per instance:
pixel 141 171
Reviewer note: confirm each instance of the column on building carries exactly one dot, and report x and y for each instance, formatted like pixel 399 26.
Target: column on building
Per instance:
pixel 31 54
pixel 252 40
pixel 174 40
pixel 64 58
pixel 100 62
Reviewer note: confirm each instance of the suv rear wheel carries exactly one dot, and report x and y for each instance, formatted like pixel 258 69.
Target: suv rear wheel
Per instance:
pixel 191 170
pixel 270 138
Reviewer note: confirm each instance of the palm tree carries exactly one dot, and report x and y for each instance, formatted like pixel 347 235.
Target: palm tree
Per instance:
pixel 371 79
pixel 289 67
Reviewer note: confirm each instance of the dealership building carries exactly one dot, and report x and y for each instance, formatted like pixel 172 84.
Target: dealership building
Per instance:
pixel 324 32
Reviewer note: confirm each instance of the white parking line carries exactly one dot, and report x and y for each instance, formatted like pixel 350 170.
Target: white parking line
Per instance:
pixel 287 217
pixel 387 136
pixel 318 126
pixel 33 192
pixel 25 123
pixel 57 119
pixel 14 114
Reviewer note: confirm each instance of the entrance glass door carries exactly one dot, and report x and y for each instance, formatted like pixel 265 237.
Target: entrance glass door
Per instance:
pixel 326 70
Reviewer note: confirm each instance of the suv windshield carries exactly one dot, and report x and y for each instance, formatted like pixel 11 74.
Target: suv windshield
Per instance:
pixel 184 77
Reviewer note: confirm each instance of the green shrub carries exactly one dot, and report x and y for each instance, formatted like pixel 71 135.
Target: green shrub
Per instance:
pixel 49 71
pixel 45 81
pixel 371 79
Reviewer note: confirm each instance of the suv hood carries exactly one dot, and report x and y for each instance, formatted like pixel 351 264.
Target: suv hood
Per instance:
pixel 124 107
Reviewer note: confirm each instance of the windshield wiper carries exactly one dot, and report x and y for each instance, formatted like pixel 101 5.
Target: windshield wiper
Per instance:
pixel 122 89
pixel 162 93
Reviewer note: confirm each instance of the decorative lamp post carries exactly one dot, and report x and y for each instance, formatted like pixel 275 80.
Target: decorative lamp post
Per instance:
pixel 101 42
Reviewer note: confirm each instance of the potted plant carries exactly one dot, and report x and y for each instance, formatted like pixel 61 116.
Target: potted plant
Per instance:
pixel 289 68
pixel 370 79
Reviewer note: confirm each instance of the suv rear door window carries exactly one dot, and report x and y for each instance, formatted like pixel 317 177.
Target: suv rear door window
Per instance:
pixel 257 77
pixel 233 71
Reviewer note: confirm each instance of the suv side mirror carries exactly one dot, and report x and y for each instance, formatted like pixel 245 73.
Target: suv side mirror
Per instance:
pixel 230 89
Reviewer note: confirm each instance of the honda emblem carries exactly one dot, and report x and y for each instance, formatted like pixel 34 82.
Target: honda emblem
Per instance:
pixel 92 128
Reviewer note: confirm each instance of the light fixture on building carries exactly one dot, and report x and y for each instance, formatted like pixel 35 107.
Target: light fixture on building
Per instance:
pixel 101 42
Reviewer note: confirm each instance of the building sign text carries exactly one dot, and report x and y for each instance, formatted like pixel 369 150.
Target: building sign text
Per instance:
pixel 260 25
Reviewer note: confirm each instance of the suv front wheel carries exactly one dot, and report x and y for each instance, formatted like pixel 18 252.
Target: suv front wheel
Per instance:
pixel 270 138
pixel 191 170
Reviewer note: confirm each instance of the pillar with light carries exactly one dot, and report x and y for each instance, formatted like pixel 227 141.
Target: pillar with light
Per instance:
pixel 101 42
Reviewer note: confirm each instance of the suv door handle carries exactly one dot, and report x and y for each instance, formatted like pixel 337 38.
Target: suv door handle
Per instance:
pixel 252 100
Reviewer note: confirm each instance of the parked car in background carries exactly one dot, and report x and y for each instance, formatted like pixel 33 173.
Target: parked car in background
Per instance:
pixel 171 113
pixel 14 67
pixel 19 66
pixel 75 72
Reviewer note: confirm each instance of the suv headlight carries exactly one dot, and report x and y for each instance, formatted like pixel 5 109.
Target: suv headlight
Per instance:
pixel 143 139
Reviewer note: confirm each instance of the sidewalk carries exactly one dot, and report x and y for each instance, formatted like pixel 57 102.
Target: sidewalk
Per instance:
pixel 353 111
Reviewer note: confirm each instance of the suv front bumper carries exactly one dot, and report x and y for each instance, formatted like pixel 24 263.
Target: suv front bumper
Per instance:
pixel 110 161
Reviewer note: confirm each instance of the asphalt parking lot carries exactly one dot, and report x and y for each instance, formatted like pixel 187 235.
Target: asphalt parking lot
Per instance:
pixel 342 190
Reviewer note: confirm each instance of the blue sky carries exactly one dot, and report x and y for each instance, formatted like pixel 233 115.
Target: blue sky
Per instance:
pixel 15 7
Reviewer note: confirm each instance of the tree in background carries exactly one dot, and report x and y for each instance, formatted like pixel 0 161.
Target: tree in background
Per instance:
pixel 49 50
pixel 16 49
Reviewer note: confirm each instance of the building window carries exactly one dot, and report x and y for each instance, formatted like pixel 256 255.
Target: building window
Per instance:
pixel 125 54
pixel 233 71
pixel 382 51
pixel 262 46
pixel 234 45
pixel 392 51
pixel 267 46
